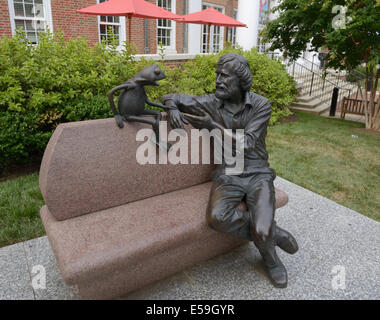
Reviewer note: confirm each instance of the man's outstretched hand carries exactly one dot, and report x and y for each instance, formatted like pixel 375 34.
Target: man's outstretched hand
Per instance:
pixel 176 119
pixel 203 121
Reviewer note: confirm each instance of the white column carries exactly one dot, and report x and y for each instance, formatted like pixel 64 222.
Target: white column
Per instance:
pixel 194 30
pixel 248 13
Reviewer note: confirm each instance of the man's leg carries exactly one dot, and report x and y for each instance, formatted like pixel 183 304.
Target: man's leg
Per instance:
pixel 261 204
pixel 222 213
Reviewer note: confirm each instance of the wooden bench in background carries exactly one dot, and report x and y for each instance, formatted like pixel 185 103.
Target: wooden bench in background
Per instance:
pixel 353 106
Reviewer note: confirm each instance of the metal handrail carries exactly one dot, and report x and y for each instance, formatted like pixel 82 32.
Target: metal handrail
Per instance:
pixel 316 79
pixel 357 74
pixel 360 75
pixel 336 91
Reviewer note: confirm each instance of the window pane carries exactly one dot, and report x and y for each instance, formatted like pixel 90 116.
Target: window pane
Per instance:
pixel 29 10
pixel 30 26
pixel 103 18
pixel 38 11
pixel 32 37
pixel 19 9
pixel 20 23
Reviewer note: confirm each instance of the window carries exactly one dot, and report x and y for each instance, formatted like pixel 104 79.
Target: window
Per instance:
pixel 32 16
pixel 212 39
pixel 165 27
pixel 111 27
pixel 231 32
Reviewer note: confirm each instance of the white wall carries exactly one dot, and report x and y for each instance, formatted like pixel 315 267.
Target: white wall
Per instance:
pixel 248 13
pixel 194 30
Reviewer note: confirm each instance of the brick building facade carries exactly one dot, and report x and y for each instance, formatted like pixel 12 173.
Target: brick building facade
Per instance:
pixel 34 15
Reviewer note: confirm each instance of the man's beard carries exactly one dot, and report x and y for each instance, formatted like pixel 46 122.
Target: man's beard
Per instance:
pixel 222 94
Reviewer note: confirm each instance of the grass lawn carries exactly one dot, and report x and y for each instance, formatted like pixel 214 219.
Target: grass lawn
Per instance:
pixel 316 153
pixel 20 203
pixel 321 155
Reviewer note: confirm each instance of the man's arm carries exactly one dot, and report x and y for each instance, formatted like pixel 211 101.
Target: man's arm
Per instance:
pixel 258 122
pixel 179 103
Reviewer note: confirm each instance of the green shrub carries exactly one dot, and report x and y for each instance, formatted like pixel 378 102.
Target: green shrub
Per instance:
pixel 67 80
pixel 197 77
pixel 57 81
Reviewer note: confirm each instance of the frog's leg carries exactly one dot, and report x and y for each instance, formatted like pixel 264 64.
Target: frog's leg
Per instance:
pixel 154 122
pixel 156 126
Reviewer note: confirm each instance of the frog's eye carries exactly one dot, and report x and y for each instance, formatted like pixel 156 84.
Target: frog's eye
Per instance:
pixel 157 71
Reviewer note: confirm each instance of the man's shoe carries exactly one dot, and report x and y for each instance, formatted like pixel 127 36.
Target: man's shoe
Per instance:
pixel 285 241
pixel 275 268
pixel 278 275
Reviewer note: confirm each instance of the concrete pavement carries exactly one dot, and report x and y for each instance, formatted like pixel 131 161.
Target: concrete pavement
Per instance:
pixel 339 258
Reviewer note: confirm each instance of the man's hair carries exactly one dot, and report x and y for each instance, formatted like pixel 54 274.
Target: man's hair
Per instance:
pixel 241 68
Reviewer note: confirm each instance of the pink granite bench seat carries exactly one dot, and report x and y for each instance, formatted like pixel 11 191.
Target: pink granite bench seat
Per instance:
pixel 110 245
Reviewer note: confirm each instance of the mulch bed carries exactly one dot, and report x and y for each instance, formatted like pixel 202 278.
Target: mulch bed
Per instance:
pixel 291 118
pixel 18 170
pixel 367 131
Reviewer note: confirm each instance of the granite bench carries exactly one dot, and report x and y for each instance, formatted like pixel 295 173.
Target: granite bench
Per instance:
pixel 116 226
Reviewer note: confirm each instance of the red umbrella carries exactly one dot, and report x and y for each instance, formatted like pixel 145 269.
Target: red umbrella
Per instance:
pixel 129 8
pixel 210 17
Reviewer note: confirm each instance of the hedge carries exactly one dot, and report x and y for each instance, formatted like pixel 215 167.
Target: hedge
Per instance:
pixel 67 80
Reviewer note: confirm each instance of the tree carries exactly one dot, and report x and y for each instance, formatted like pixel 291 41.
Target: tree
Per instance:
pixel 350 30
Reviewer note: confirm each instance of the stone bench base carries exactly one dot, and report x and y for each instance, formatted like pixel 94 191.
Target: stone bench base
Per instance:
pixel 112 252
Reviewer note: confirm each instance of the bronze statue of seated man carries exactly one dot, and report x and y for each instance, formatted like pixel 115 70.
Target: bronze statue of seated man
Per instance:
pixel 233 106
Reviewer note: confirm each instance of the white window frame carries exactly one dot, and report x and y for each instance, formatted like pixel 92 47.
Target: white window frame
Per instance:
pixel 47 16
pixel 172 48
pixel 122 29
pixel 205 28
pixel 233 31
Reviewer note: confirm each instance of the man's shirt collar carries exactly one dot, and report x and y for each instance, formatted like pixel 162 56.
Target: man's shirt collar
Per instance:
pixel 247 102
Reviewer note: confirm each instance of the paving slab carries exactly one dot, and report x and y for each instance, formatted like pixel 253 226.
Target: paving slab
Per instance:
pixel 339 258
pixel 15 281
pixel 39 254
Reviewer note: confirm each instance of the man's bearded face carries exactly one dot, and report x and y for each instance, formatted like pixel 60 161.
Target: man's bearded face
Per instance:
pixel 227 82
